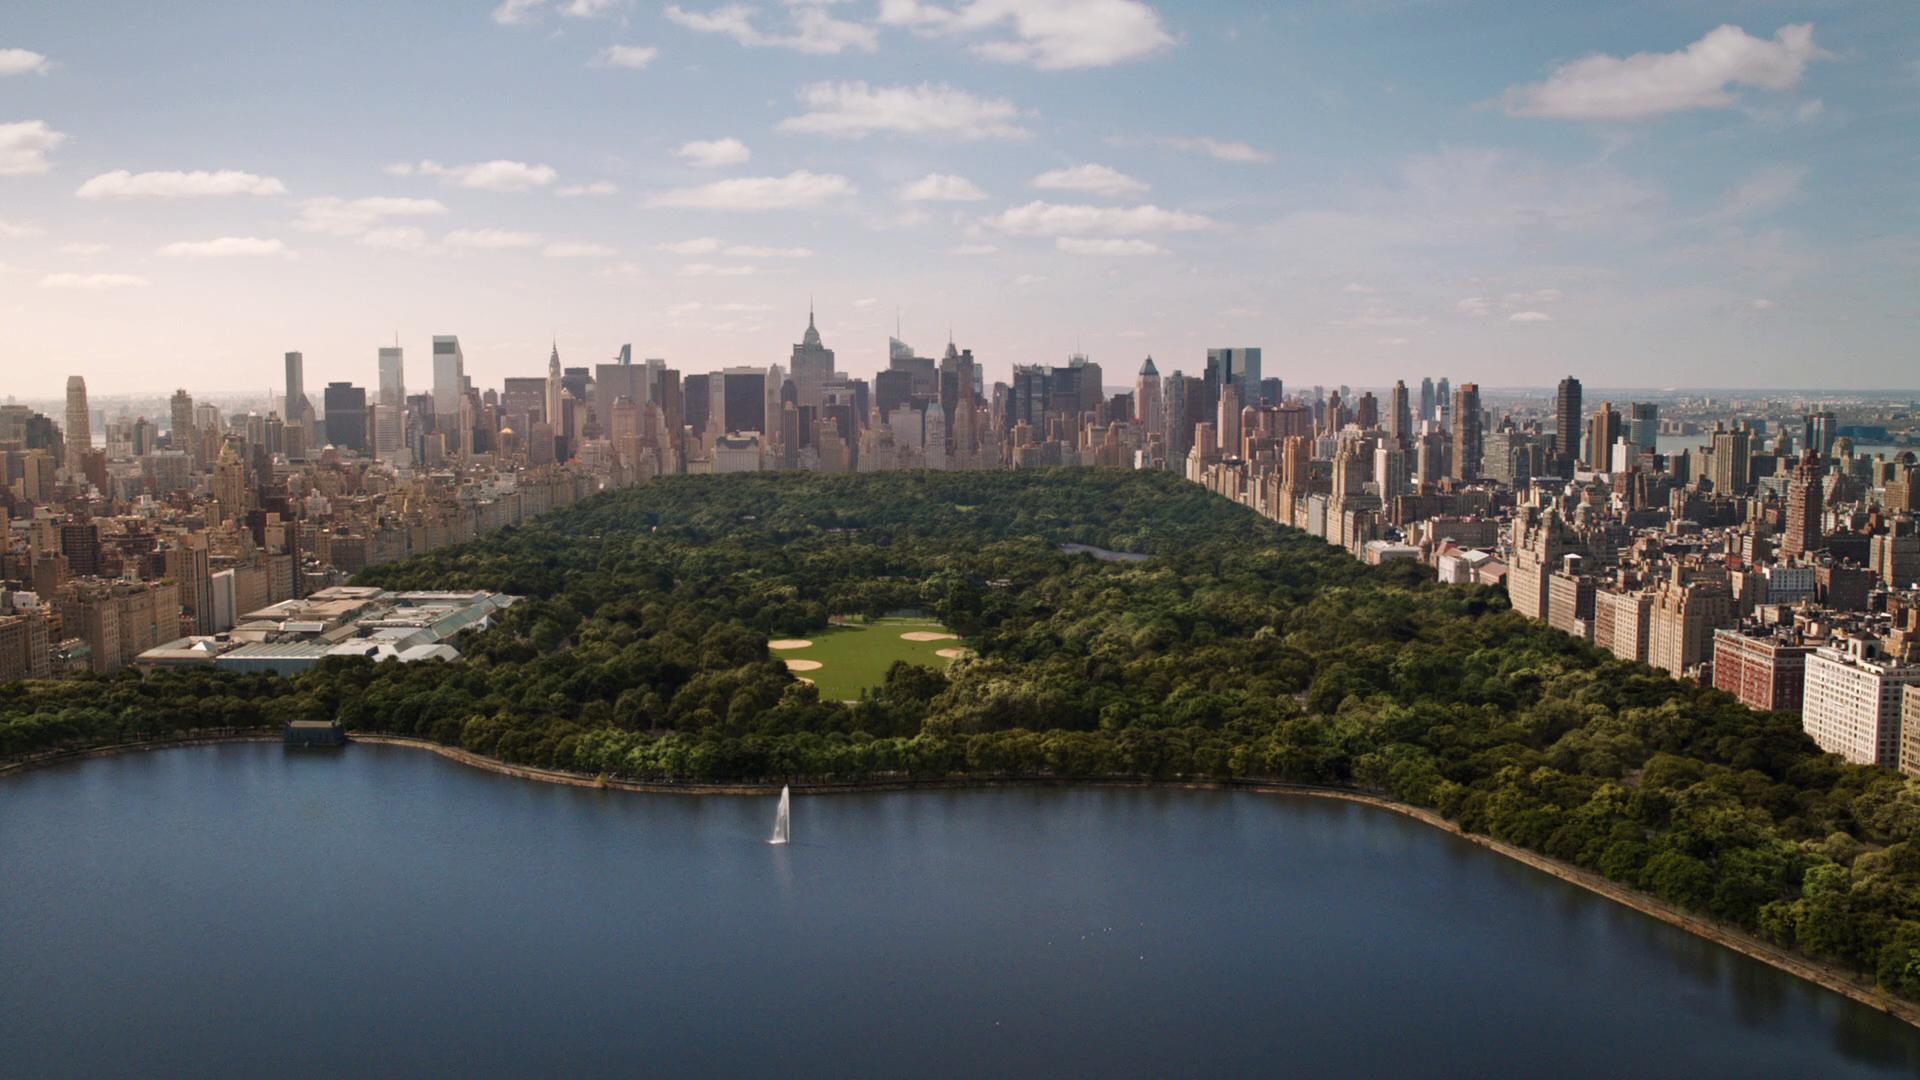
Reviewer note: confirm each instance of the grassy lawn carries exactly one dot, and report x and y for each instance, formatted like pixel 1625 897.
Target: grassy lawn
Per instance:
pixel 852 657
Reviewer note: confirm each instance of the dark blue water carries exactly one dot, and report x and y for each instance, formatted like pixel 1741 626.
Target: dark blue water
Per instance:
pixel 238 911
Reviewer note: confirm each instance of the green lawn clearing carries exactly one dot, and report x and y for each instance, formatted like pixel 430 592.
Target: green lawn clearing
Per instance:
pixel 855 656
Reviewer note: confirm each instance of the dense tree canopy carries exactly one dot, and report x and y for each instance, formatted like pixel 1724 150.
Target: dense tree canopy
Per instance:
pixel 1241 649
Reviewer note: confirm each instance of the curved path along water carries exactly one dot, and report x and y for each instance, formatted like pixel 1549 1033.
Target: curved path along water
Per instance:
pixel 239 910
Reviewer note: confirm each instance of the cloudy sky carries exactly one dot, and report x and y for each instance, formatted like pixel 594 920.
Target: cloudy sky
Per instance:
pixel 1651 194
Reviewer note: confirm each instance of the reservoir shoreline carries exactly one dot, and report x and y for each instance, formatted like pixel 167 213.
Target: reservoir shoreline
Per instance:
pixel 1833 979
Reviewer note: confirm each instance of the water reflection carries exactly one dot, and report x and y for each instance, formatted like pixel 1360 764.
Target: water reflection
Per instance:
pixel 455 920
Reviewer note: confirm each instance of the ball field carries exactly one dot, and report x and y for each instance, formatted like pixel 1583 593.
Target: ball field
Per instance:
pixel 842 660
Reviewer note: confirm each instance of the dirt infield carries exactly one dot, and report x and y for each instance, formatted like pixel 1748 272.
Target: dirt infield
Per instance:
pixel 928 635
pixel 790 643
pixel 804 665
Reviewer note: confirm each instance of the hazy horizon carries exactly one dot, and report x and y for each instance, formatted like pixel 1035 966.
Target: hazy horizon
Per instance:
pixel 1386 189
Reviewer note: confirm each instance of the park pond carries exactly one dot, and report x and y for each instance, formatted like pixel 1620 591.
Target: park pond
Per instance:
pixel 243 911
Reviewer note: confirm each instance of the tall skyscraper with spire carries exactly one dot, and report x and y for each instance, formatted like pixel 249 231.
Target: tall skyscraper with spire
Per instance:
pixel 79 424
pixel 554 390
pixel 811 364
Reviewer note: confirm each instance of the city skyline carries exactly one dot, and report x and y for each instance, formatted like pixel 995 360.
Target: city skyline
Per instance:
pixel 1679 194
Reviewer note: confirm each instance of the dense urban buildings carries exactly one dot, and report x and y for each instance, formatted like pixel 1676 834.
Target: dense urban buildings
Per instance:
pixel 1752 545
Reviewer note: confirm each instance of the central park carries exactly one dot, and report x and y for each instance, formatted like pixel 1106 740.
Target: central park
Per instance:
pixel 1238 651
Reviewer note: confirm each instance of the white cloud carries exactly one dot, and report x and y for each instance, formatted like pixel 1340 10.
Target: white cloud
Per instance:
pixel 799 190
pixel 1810 111
pixel 813 29
pixel 1218 149
pixel 512 12
pixel 121 184
pixel 1029 279
pixel 1106 245
pixel 854 110
pixel 91 281
pixel 24 147
pixel 1529 316
pixel 1055 219
pixel 351 217
pixel 225 247
pixel 497 175
pixel 1395 341
pixel 21 62
pixel 1530 299
pixel 1474 305
pixel 710 270
pixel 1763 304
pixel 573 250
pixel 491 239
pixel 25 229
pixel 626 56
pixel 398 238
pixel 1047 34
pixel 1765 190
pixel 1096 179
pixel 1643 85
pixel 588 9
pixel 973 249
pixel 1357 288
pixel 1230 151
pixel 941 187
pixel 713 153
pixel 750 252
pixel 82 251
pixel 866 302
pixel 705 245
pixel 598 187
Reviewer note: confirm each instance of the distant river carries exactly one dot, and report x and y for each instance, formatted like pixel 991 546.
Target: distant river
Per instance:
pixel 238 911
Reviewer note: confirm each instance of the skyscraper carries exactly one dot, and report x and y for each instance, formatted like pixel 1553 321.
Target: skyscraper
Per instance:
pixel 1731 454
pixel 1806 495
pixel 1399 413
pixel 1426 400
pixel 1466 431
pixel 1643 426
pixel 184 438
pixel 297 408
pixel 1239 368
pixel 449 382
pixel 1820 432
pixel 812 363
pixel 1603 430
pixel 1567 414
pixel 741 399
pixel 1442 400
pixel 393 377
pixel 552 412
pixel 1146 398
pixel 79 425
pixel 346 416
pixel 390 405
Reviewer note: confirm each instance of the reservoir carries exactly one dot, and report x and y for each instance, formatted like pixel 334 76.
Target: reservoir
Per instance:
pixel 244 911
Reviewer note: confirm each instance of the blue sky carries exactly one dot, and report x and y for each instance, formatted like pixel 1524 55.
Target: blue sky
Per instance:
pixel 1680 193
